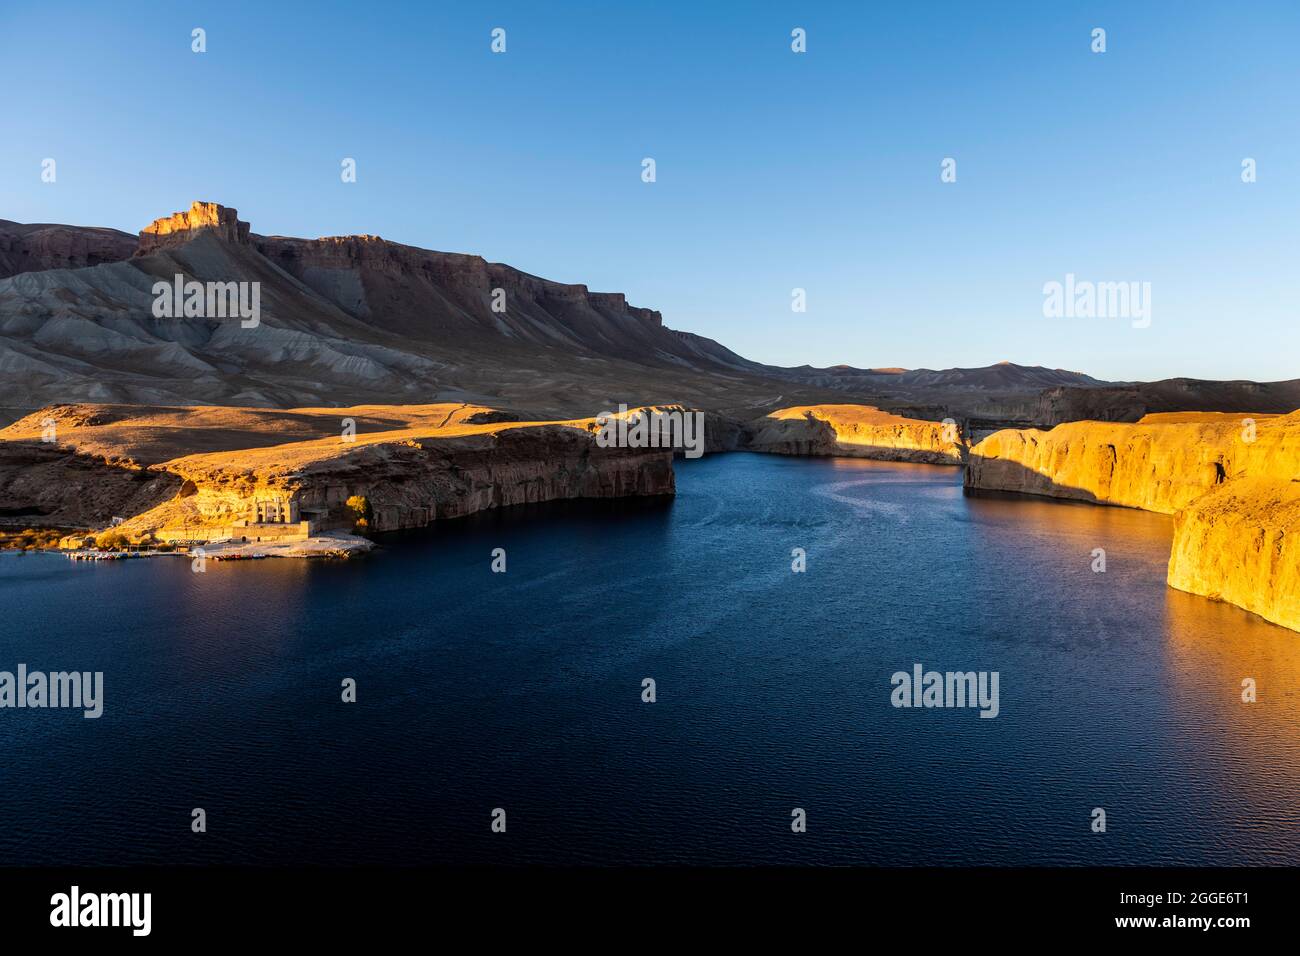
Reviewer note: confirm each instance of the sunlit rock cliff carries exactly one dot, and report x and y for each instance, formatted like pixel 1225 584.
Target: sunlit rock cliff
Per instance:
pixel 181 227
pixel 1241 543
pixel 1161 463
pixel 196 473
pixel 1232 481
pixel 855 431
pixel 411 481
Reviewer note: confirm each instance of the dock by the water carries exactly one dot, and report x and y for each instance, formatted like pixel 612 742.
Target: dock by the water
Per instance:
pixel 110 555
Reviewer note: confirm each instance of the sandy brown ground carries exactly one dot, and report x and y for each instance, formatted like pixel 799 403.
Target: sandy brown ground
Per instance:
pixel 149 435
pixel 145 464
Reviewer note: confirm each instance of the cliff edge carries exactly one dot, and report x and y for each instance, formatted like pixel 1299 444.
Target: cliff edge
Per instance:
pixel 1161 463
pixel 855 431
pixel 1232 482
pixel 210 474
pixel 1241 543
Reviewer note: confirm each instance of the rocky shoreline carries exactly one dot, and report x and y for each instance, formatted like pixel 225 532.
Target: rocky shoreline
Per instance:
pixel 417 465
pixel 856 431
pixel 269 485
pixel 273 483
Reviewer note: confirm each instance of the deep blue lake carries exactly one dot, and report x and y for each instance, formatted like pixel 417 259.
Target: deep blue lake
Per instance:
pixel 523 690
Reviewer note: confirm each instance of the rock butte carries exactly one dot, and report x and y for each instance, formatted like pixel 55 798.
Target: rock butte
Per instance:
pixel 1234 491
pixel 855 431
pixel 181 227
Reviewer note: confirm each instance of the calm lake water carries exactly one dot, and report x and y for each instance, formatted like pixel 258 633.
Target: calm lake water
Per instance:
pixel 523 690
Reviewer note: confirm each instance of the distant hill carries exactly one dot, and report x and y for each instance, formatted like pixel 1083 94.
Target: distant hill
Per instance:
pixel 1128 403
pixel 39 246
pixel 1001 392
pixel 358 319
pixel 1003 376
pixel 344 320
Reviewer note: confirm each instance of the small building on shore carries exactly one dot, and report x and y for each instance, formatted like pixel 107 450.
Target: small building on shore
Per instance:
pixel 272 517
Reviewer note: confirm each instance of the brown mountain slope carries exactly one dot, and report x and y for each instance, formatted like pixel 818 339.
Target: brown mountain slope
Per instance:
pixel 354 319
pixel 39 246
pixel 1128 403
pixel 358 319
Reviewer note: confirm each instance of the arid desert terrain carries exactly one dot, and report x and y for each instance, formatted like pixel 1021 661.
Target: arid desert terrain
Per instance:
pixel 385 387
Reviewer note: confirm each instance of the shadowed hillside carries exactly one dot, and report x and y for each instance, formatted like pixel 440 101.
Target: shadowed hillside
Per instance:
pixel 359 319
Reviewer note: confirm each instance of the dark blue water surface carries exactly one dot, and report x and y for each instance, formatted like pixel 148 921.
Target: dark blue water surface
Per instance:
pixel 523 690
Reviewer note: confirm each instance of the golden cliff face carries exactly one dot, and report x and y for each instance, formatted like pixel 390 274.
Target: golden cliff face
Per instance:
pixel 181 227
pixel 1161 463
pixel 1240 543
pixel 855 431
pixel 411 481
pixel 191 472
pixel 1232 481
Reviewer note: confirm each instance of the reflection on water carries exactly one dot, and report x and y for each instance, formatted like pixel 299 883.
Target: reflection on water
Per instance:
pixel 1251 752
pixel 522 690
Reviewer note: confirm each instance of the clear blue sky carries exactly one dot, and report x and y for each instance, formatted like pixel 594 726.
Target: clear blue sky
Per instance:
pixel 775 170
